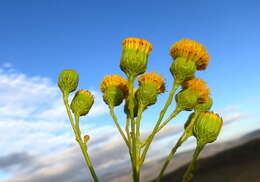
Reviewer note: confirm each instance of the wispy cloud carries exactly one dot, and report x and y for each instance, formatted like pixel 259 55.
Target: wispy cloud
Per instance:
pixel 32 114
pixel 234 117
pixel 228 109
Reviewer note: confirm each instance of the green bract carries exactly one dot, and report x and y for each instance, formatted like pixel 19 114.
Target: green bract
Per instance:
pixel 207 127
pixel 146 95
pixel 205 106
pixel 82 102
pixel 113 96
pixel 68 81
pixel 183 69
pixel 186 99
pixel 133 62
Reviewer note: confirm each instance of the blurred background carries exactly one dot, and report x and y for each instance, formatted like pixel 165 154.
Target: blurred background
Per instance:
pixel 40 38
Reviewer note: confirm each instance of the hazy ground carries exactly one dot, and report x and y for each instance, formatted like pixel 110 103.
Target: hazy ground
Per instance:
pixel 240 164
pixel 234 161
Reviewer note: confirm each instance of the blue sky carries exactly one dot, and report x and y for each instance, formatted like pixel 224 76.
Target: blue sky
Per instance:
pixel 40 38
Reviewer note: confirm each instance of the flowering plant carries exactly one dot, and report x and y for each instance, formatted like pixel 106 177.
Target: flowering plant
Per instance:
pixel 188 56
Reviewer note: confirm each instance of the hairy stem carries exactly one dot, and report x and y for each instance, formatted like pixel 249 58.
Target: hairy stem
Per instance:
pixel 127 130
pixel 138 143
pixel 112 113
pixel 162 113
pixel 136 169
pixel 188 174
pixel 174 113
pixel 76 129
pixel 182 139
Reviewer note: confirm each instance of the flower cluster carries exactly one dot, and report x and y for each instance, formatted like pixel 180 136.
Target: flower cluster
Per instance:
pixel 188 56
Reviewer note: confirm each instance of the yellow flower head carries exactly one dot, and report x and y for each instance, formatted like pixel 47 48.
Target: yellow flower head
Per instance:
pixel 212 115
pixel 114 81
pixel 199 86
pixel 154 79
pixel 192 50
pixel 85 93
pixel 138 44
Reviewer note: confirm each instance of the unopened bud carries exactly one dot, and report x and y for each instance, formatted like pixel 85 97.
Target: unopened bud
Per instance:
pixel 204 106
pixel 68 81
pixel 146 95
pixel 86 138
pixel 182 69
pixel 113 96
pixel 192 51
pixel 115 89
pixel 150 85
pixel 186 99
pixel 135 56
pixel 207 127
pixel 82 102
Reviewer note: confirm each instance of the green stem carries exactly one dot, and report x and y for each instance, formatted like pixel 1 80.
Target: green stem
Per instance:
pixel 187 133
pixel 139 117
pixel 87 159
pixel 138 143
pixel 127 130
pixel 77 133
pixel 182 139
pixel 174 113
pixel 188 174
pixel 112 113
pixel 136 174
pixel 167 104
pixel 66 103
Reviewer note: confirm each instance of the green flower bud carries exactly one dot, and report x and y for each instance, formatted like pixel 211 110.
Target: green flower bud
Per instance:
pixel 207 127
pixel 135 56
pixel 113 96
pixel 82 102
pixel 115 89
pixel 204 106
pixel 192 50
pixel 186 99
pixel 183 69
pixel 68 81
pixel 146 95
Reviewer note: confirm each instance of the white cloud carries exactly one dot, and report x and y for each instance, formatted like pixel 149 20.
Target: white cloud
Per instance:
pixel 7 65
pixel 234 117
pixel 100 107
pixel 228 109
pixel 32 114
